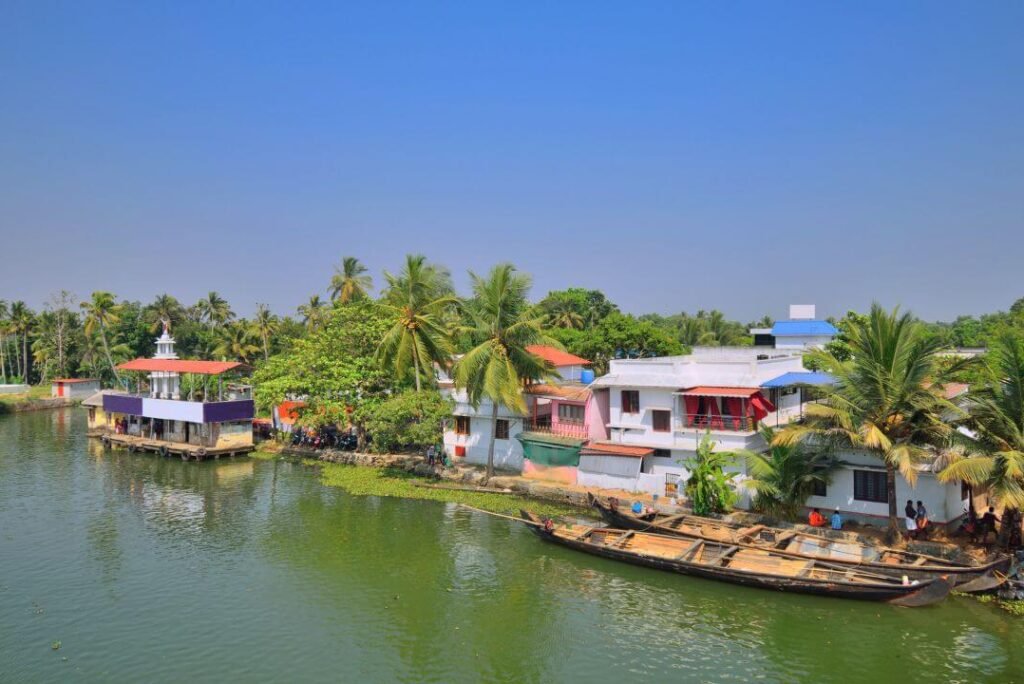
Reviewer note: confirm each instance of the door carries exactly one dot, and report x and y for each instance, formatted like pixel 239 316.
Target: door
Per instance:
pixel 60 389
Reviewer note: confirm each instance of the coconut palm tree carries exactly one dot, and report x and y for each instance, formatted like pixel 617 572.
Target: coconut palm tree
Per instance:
pixel 265 324
pixel 416 300
pixel 784 476
pixel 236 341
pixel 4 311
pixel 499 365
pixel 215 309
pixel 22 320
pixel 561 314
pixel 312 312
pixel 886 400
pixel 350 282
pixel 100 313
pixel 164 308
pixel 992 455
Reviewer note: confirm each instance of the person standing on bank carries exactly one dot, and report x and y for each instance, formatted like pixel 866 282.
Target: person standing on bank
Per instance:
pixel 911 514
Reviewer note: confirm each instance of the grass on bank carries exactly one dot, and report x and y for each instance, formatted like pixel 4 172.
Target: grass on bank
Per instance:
pixel 366 481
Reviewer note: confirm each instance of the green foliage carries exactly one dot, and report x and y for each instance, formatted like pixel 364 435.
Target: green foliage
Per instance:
pixel 623 336
pixel 784 476
pixel 333 368
pixel 362 481
pixel 709 488
pixel 416 301
pixel 407 422
pixel 575 308
pixel 992 456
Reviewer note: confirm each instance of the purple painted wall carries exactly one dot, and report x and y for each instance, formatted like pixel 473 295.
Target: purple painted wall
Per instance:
pixel 222 411
pixel 117 403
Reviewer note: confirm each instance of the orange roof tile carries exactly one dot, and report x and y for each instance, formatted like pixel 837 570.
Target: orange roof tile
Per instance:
pixel 556 357
pixel 181 366
pixel 610 449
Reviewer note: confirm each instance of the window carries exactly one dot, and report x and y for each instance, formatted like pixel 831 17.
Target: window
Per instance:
pixel 501 429
pixel 819 489
pixel 570 413
pixel 662 453
pixel 462 425
pixel 869 485
pixel 630 401
pixel 661 420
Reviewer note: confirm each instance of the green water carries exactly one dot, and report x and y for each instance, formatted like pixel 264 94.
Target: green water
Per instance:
pixel 151 570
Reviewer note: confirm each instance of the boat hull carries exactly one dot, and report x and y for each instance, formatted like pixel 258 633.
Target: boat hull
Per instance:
pixel 923 593
pixel 957 574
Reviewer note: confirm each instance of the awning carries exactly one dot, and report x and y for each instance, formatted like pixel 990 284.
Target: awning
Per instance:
pixel 797 378
pixel 609 449
pixel 707 391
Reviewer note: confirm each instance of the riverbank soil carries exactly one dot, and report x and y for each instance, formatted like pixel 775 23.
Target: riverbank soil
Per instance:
pixel 36 399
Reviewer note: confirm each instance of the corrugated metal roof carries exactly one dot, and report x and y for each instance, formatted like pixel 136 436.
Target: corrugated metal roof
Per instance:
pixel 796 328
pixel 569 391
pixel 807 378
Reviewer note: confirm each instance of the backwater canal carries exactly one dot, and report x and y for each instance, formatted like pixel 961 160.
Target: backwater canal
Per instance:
pixel 146 569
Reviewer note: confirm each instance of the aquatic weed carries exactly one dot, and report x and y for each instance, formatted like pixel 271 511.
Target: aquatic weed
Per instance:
pixel 365 481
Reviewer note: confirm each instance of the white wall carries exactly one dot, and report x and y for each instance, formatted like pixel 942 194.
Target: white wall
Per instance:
pixel 608 472
pixel 942 500
pixel 802 341
pixel 508 453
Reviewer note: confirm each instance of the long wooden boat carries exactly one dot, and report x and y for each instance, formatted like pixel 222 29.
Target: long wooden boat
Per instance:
pixel 745 566
pixel 796 544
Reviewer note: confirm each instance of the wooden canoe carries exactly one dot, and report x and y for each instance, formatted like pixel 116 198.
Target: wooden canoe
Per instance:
pixel 795 544
pixel 737 565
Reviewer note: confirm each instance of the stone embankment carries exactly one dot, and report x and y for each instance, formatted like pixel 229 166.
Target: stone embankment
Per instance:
pixel 24 405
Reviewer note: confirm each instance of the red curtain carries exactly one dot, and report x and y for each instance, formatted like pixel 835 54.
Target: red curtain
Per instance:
pixel 762 407
pixel 691 404
pixel 734 407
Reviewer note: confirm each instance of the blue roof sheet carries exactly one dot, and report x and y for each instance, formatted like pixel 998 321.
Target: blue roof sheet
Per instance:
pixel 795 328
pixel 796 378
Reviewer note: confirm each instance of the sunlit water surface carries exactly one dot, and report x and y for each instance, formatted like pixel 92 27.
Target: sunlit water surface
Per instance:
pixel 153 570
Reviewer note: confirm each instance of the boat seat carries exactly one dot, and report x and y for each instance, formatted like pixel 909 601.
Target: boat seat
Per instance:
pixel 621 541
pixel 724 557
pixel 691 550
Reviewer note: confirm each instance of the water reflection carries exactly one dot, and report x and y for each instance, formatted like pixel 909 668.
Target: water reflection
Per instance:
pixel 151 569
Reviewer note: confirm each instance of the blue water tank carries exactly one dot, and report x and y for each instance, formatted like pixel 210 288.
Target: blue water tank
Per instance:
pixel 586 376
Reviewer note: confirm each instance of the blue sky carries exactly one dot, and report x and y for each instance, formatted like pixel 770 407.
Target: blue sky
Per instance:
pixel 676 155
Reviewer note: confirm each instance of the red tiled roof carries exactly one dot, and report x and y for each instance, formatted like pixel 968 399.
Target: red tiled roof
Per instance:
pixel 952 390
pixel 707 391
pixel 556 357
pixel 181 366
pixel 609 449
pixel 67 380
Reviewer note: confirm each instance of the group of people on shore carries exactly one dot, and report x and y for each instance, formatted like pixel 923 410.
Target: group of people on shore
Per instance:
pixel 816 519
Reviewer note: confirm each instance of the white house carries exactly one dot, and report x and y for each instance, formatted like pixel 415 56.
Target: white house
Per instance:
pixel 559 418
pixel 660 409
pixel 74 388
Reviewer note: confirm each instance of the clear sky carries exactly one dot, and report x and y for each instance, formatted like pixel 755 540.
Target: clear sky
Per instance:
pixel 676 155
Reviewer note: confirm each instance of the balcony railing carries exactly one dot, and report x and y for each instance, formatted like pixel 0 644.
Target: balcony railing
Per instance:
pixel 710 422
pixel 563 428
